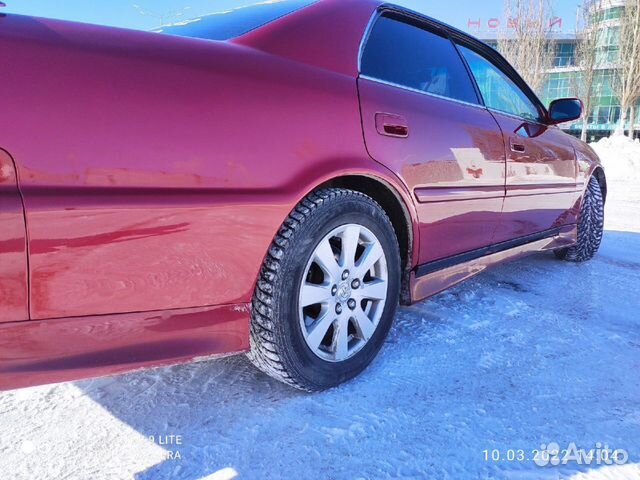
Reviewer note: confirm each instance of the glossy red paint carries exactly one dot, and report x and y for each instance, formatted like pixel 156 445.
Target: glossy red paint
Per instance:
pixel 434 283
pixel 13 246
pixel 155 171
pixel 452 159
pixel 340 24
pixel 541 188
pixel 156 164
pixel 43 351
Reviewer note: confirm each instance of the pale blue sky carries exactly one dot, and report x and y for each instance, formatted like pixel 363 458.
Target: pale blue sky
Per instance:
pixel 123 13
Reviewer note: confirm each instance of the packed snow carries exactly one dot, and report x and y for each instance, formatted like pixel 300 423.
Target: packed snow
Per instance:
pixel 529 356
pixel 621 157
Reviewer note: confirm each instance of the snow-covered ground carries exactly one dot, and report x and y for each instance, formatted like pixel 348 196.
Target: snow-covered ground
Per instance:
pixel 621 157
pixel 525 355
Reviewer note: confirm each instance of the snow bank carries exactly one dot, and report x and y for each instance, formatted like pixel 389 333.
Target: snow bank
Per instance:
pixel 620 156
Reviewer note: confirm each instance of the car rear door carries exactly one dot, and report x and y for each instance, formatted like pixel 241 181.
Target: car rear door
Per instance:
pixel 541 192
pixel 13 246
pixel 422 118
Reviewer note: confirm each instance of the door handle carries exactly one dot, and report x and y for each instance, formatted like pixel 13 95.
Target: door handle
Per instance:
pixel 392 125
pixel 517 147
pixel 396 130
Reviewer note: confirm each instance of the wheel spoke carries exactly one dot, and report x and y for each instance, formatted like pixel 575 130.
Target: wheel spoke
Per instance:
pixel 370 256
pixel 326 259
pixel 311 294
pixel 340 344
pixel 350 238
pixel 376 290
pixel 334 323
pixel 314 338
pixel 364 324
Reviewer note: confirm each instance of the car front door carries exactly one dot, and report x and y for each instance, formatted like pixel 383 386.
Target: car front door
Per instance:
pixel 13 246
pixel 422 118
pixel 541 191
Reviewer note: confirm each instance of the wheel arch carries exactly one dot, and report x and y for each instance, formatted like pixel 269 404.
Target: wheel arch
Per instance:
pixel 395 206
pixel 600 176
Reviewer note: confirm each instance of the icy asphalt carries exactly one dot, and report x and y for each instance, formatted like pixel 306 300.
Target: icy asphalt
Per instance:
pixel 527 354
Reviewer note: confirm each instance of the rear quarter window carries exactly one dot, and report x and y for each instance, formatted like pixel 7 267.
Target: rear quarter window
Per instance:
pixel 408 55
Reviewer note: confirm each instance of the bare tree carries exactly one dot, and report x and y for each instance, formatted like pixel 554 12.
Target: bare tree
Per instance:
pixel 626 82
pixel 525 41
pixel 587 60
pixel 163 18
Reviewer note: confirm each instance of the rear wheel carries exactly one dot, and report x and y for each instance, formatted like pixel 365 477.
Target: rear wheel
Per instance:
pixel 590 226
pixel 327 292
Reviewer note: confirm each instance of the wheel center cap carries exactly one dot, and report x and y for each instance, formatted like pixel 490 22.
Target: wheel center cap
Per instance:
pixel 344 292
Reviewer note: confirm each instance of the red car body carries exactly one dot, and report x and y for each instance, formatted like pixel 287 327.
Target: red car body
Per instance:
pixel 143 177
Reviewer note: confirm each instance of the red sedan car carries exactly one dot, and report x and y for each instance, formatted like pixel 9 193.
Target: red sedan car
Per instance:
pixel 270 180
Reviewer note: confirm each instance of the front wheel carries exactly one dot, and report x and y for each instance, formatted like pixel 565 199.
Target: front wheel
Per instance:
pixel 590 226
pixel 327 292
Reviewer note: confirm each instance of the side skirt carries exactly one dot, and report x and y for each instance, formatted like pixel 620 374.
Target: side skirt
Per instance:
pixel 434 277
pixel 58 350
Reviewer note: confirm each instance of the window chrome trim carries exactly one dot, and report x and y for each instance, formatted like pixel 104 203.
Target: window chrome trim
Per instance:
pixel 429 94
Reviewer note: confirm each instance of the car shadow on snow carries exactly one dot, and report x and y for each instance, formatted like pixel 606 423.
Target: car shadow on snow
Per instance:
pixel 526 354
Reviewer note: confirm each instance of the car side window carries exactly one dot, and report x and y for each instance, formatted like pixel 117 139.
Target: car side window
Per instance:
pixel 411 56
pixel 498 90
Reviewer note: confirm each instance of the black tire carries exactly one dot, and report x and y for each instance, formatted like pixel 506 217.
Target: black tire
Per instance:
pixel 278 347
pixel 590 226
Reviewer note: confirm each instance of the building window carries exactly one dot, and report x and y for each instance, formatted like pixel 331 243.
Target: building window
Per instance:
pixel 565 54
pixel 608 45
pixel 559 85
pixel 613 13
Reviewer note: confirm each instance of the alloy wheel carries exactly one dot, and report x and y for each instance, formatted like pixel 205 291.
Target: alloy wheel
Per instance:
pixel 343 292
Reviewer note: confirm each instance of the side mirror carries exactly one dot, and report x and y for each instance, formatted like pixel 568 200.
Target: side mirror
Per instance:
pixel 565 110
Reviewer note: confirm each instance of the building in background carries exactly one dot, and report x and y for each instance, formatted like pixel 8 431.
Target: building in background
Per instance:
pixel 604 114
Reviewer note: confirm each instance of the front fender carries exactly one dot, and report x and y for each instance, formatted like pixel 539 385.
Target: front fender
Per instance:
pixel 589 165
